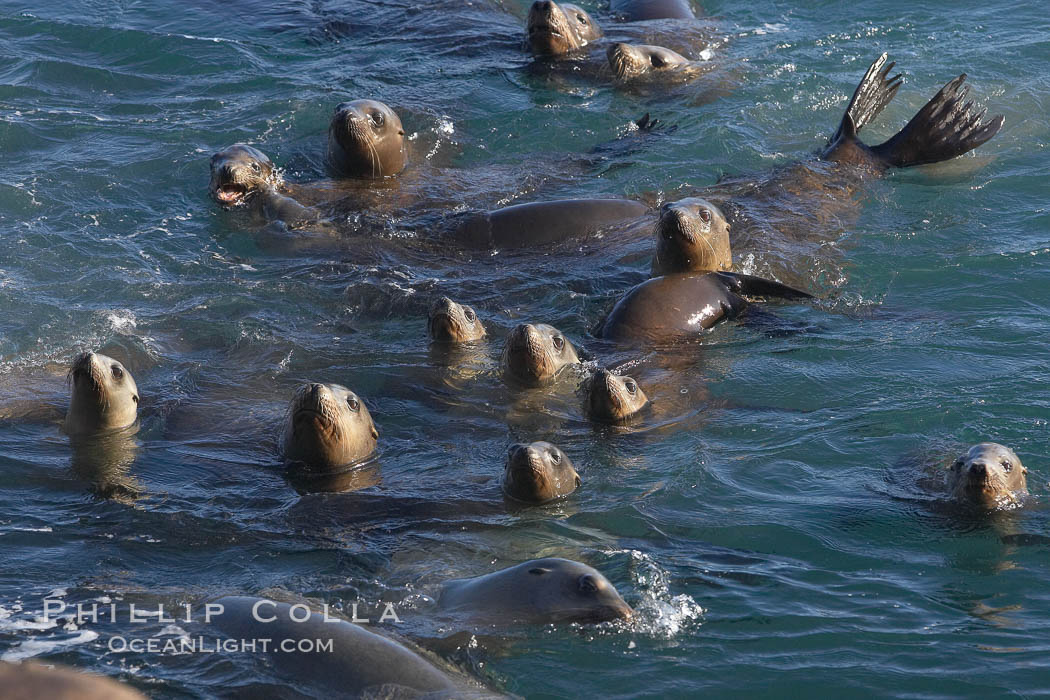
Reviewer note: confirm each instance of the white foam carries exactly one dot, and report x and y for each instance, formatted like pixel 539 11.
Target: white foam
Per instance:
pixel 35 647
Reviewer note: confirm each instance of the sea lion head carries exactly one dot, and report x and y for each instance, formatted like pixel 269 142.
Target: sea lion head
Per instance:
pixel 238 172
pixel 691 236
pixel 366 139
pixel 538 473
pixel 105 396
pixel 450 322
pixel 613 398
pixel 632 60
pixel 566 590
pixel 534 354
pixel 328 427
pixel 555 30
pixel 989 476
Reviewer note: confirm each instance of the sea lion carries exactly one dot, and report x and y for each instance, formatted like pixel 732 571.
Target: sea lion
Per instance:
pixel 534 354
pixel 347 659
pixel 989 476
pixel 34 681
pixel 613 398
pixel 450 322
pixel 541 591
pixel 328 427
pixel 634 60
pixel 243 176
pixel 556 30
pixel 105 396
pixel 681 305
pixel 785 214
pixel 542 223
pixel 366 140
pixel 691 236
pixel 636 10
pixel 538 473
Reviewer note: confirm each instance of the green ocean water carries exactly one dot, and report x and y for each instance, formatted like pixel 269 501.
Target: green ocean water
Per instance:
pixel 773 533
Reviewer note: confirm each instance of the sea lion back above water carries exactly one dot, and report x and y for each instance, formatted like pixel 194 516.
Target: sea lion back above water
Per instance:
pixel 554 29
pixel 366 140
pixel 636 10
pixel 680 306
pixel 104 395
pixel 988 476
pixel 327 427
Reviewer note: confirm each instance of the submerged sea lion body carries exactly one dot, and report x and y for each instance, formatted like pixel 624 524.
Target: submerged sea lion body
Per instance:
pixel 538 473
pixel 636 10
pixel 535 354
pixel 358 663
pixel 989 476
pixel 328 427
pixel 541 591
pixel 680 306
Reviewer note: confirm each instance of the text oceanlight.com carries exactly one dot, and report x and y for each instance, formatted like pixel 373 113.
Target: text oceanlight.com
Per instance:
pixel 206 645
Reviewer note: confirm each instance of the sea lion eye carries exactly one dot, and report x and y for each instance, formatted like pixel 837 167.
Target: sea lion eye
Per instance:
pixel 555 457
pixel 631 386
pixel 118 373
pixel 469 313
pixel 353 403
pixel 705 215
pixel 588 584
pixel 559 343
pixel 1006 465
pixel 581 19
pixel 377 118
pixel 255 167
pixel 657 61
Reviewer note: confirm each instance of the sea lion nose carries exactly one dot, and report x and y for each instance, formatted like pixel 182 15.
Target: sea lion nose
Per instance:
pixel 979 469
pixel 315 390
pixel 542 5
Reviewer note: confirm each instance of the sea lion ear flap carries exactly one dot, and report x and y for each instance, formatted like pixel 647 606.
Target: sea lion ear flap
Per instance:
pixel 375 433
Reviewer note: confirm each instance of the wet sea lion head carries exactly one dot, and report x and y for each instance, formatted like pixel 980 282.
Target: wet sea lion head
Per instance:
pixel 538 473
pixel 692 235
pixel 450 322
pixel 989 476
pixel 566 590
pixel 632 60
pixel 555 30
pixel 366 139
pixel 104 395
pixel 534 354
pixel 328 427
pixel 238 172
pixel 613 398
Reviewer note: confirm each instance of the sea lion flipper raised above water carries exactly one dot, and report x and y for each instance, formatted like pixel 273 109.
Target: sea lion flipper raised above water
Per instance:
pixel 750 285
pixel 874 92
pixel 946 127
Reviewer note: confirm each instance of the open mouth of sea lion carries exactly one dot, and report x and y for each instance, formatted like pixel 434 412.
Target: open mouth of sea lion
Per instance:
pixel 231 194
